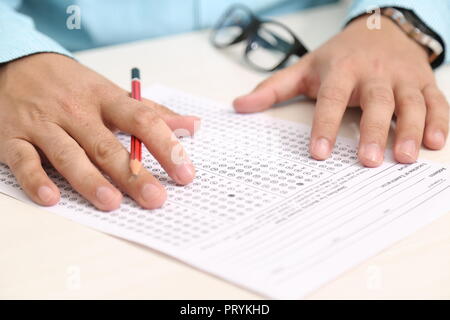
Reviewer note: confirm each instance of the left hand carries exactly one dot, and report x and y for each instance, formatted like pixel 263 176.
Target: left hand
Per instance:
pixel 384 72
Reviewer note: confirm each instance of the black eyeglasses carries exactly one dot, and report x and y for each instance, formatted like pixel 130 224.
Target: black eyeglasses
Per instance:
pixel 270 44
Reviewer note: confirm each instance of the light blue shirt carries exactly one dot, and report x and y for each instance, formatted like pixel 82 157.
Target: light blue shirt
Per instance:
pixel 32 26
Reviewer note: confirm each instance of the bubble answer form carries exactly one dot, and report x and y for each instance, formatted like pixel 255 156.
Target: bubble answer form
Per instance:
pixel 261 213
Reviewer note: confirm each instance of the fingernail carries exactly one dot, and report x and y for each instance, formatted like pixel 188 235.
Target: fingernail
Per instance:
pixel 372 153
pixel 195 118
pixel 409 149
pixel 105 195
pixel 150 192
pixel 46 194
pixel 185 172
pixel 196 121
pixel 439 138
pixel 197 125
pixel 321 148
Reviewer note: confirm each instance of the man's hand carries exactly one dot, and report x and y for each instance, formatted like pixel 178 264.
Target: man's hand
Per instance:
pixel 53 106
pixel 384 72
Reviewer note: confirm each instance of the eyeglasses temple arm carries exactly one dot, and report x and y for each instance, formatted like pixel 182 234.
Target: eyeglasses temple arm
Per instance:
pixel 282 44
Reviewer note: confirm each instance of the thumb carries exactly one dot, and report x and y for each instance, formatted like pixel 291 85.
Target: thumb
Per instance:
pixel 283 85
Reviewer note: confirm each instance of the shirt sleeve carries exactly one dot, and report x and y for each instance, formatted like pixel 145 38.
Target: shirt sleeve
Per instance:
pixel 18 36
pixel 435 14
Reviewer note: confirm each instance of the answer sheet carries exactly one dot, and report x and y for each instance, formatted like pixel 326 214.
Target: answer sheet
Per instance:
pixel 261 213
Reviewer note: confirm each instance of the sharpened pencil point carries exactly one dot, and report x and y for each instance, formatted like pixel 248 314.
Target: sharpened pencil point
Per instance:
pixel 135 166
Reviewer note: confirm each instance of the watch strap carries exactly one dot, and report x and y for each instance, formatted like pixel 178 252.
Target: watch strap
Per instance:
pixel 418 31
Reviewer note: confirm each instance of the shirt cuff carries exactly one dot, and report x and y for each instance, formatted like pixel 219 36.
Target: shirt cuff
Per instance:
pixel 18 38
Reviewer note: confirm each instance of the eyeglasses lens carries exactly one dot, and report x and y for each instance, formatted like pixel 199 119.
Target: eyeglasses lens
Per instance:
pixel 269 46
pixel 231 27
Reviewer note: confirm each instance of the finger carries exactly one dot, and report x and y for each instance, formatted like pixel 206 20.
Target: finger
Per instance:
pixel 111 157
pixel 411 113
pixel 136 118
pixel 25 163
pixel 332 100
pixel 436 123
pixel 71 161
pixel 175 121
pixel 283 85
pixel 378 104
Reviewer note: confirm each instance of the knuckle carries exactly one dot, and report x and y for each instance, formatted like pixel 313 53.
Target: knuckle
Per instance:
pixel 22 165
pixel 73 111
pixel 106 149
pixel 16 158
pixel 159 108
pixel 427 79
pixel 325 124
pixel 153 105
pixel 145 118
pixel 63 156
pixel 32 176
pixel 382 96
pixel 36 114
pixel 105 89
pixel 332 95
pixel 435 100
pixel 412 99
pixel 414 129
pixel 69 105
pixel 374 128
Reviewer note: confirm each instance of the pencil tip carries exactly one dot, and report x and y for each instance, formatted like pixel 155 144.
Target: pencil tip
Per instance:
pixel 135 167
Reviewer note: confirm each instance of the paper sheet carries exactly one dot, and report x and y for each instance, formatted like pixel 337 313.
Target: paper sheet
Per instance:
pixel 261 213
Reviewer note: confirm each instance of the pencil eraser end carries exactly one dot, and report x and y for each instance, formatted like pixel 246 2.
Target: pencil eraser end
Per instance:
pixel 135 73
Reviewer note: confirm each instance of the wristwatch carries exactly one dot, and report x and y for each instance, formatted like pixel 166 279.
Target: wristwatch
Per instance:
pixel 413 26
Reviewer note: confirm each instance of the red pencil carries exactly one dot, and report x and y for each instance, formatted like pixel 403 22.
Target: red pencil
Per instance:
pixel 136 145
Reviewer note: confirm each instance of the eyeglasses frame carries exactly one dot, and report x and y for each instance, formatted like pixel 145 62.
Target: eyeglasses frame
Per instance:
pixel 251 31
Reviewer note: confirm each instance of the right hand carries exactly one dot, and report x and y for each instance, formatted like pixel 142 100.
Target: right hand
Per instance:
pixel 382 71
pixel 53 105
